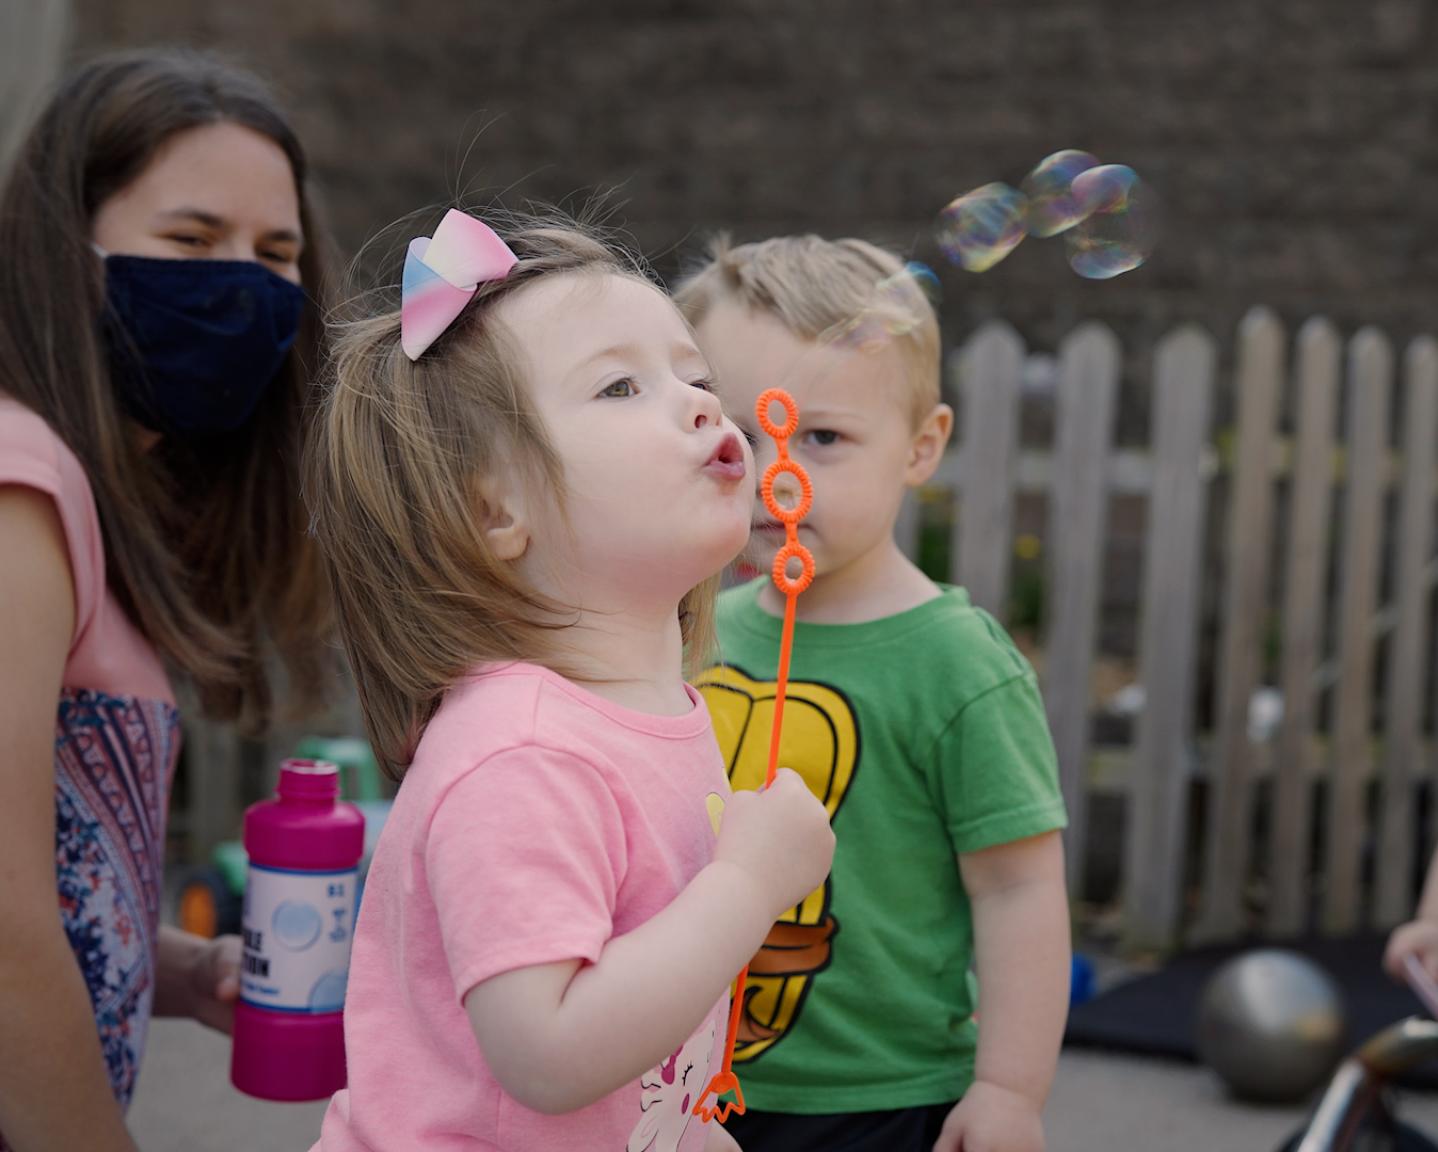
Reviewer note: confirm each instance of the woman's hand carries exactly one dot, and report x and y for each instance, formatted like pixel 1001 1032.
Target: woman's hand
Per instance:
pixel 199 978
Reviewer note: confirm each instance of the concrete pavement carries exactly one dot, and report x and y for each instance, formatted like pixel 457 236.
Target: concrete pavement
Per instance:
pixel 1100 1103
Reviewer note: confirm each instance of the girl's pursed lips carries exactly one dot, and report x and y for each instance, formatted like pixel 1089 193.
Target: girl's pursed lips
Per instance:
pixel 726 462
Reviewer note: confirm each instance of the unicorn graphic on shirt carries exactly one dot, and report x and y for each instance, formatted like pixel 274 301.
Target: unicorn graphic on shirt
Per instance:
pixel 669 1093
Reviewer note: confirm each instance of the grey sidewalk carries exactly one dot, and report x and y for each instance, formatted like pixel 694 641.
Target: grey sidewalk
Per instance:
pixel 1099 1104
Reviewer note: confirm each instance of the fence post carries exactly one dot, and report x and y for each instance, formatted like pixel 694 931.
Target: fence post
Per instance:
pixel 1259 382
pixel 1158 795
pixel 1406 671
pixel 1306 561
pixel 1078 519
pixel 1370 371
pixel 990 371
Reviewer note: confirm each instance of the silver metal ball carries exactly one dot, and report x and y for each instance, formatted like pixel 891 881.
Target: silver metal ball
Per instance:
pixel 1271 1024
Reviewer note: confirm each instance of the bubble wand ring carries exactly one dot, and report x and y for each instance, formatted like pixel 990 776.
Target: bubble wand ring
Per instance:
pixel 724 1080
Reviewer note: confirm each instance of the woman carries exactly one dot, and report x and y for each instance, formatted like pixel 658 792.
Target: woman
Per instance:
pixel 158 275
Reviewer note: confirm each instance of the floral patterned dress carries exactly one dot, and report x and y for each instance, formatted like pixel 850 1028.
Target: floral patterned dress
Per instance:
pixel 114 756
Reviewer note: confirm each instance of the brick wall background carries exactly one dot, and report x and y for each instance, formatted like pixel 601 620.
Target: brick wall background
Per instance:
pixel 1292 142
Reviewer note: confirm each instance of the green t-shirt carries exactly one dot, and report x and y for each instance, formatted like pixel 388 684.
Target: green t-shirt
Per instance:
pixel 925 736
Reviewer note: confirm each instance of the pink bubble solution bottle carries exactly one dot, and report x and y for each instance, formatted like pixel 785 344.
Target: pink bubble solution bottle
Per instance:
pixel 301 893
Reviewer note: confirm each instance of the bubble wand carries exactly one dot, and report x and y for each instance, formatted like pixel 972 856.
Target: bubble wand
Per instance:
pixel 724 1080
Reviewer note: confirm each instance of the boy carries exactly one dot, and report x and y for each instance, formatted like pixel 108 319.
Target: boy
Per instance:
pixel 911 714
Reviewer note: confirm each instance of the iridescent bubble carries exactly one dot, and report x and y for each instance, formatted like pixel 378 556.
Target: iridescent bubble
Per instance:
pixel 1053 208
pixel 904 300
pixel 1116 234
pixel 981 227
pixel 898 305
pixel 866 333
pixel 1105 188
pixel 927 281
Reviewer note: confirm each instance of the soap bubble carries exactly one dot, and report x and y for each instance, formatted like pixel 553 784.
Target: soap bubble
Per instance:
pixel 981 227
pixel 924 277
pixel 1116 232
pixel 1104 212
pixel 1053 208
pixel 898 305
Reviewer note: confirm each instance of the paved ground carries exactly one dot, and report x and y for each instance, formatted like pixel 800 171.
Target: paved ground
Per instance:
pixel 1099 1104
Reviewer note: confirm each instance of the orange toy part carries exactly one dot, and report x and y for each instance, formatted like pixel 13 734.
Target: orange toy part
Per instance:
pixel 724 1080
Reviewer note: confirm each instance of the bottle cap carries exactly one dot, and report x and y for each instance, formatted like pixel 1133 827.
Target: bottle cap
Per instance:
pixel 309 780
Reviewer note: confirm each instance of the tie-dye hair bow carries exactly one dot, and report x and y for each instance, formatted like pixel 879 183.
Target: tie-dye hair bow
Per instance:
pixel 442 273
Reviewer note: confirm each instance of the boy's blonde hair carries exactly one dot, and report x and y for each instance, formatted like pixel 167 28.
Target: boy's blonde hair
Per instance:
pixel 825 289
pixel 394 475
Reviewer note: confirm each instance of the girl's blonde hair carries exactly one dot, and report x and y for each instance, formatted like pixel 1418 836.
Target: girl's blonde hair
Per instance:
pixel 820 289
pixel 394 479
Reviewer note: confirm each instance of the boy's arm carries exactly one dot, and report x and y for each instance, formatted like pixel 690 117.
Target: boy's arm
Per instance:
pixel 1021 939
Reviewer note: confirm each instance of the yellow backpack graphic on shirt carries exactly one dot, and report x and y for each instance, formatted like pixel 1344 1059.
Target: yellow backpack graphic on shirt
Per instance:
pixel 820 742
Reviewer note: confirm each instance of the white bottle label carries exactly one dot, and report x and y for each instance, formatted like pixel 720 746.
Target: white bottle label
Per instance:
pixel 298 928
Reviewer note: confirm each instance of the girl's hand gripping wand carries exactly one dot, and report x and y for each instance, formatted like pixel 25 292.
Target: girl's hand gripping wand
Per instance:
pixel 724 1080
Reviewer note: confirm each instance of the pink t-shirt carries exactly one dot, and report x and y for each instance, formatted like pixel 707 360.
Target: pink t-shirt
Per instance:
pixel 107 653
pixel 537 822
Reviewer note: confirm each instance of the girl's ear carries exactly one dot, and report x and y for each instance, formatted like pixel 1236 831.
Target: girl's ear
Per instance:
pixel 505 526
pixel 926 449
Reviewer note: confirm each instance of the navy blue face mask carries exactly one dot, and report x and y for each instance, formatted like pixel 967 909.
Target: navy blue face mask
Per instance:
pixel 194 344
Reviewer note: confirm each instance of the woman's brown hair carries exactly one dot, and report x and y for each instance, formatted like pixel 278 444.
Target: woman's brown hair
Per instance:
pixel 205 545
pixel 396 467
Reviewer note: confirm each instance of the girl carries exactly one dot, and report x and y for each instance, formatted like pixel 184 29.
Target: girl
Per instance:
pixel 154 340
pixel 525 486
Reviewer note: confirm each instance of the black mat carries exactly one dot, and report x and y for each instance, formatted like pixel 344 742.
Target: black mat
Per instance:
pixel 1155 1015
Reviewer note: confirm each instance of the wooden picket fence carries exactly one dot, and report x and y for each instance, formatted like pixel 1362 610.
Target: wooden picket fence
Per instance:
pixel 1308 476
pixel 1177 473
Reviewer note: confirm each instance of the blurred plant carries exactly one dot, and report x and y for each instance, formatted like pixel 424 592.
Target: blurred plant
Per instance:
pixel 1026 596
pixel 936 521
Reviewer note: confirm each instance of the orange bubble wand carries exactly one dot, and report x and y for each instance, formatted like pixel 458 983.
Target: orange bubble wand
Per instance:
pixel 724 1080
